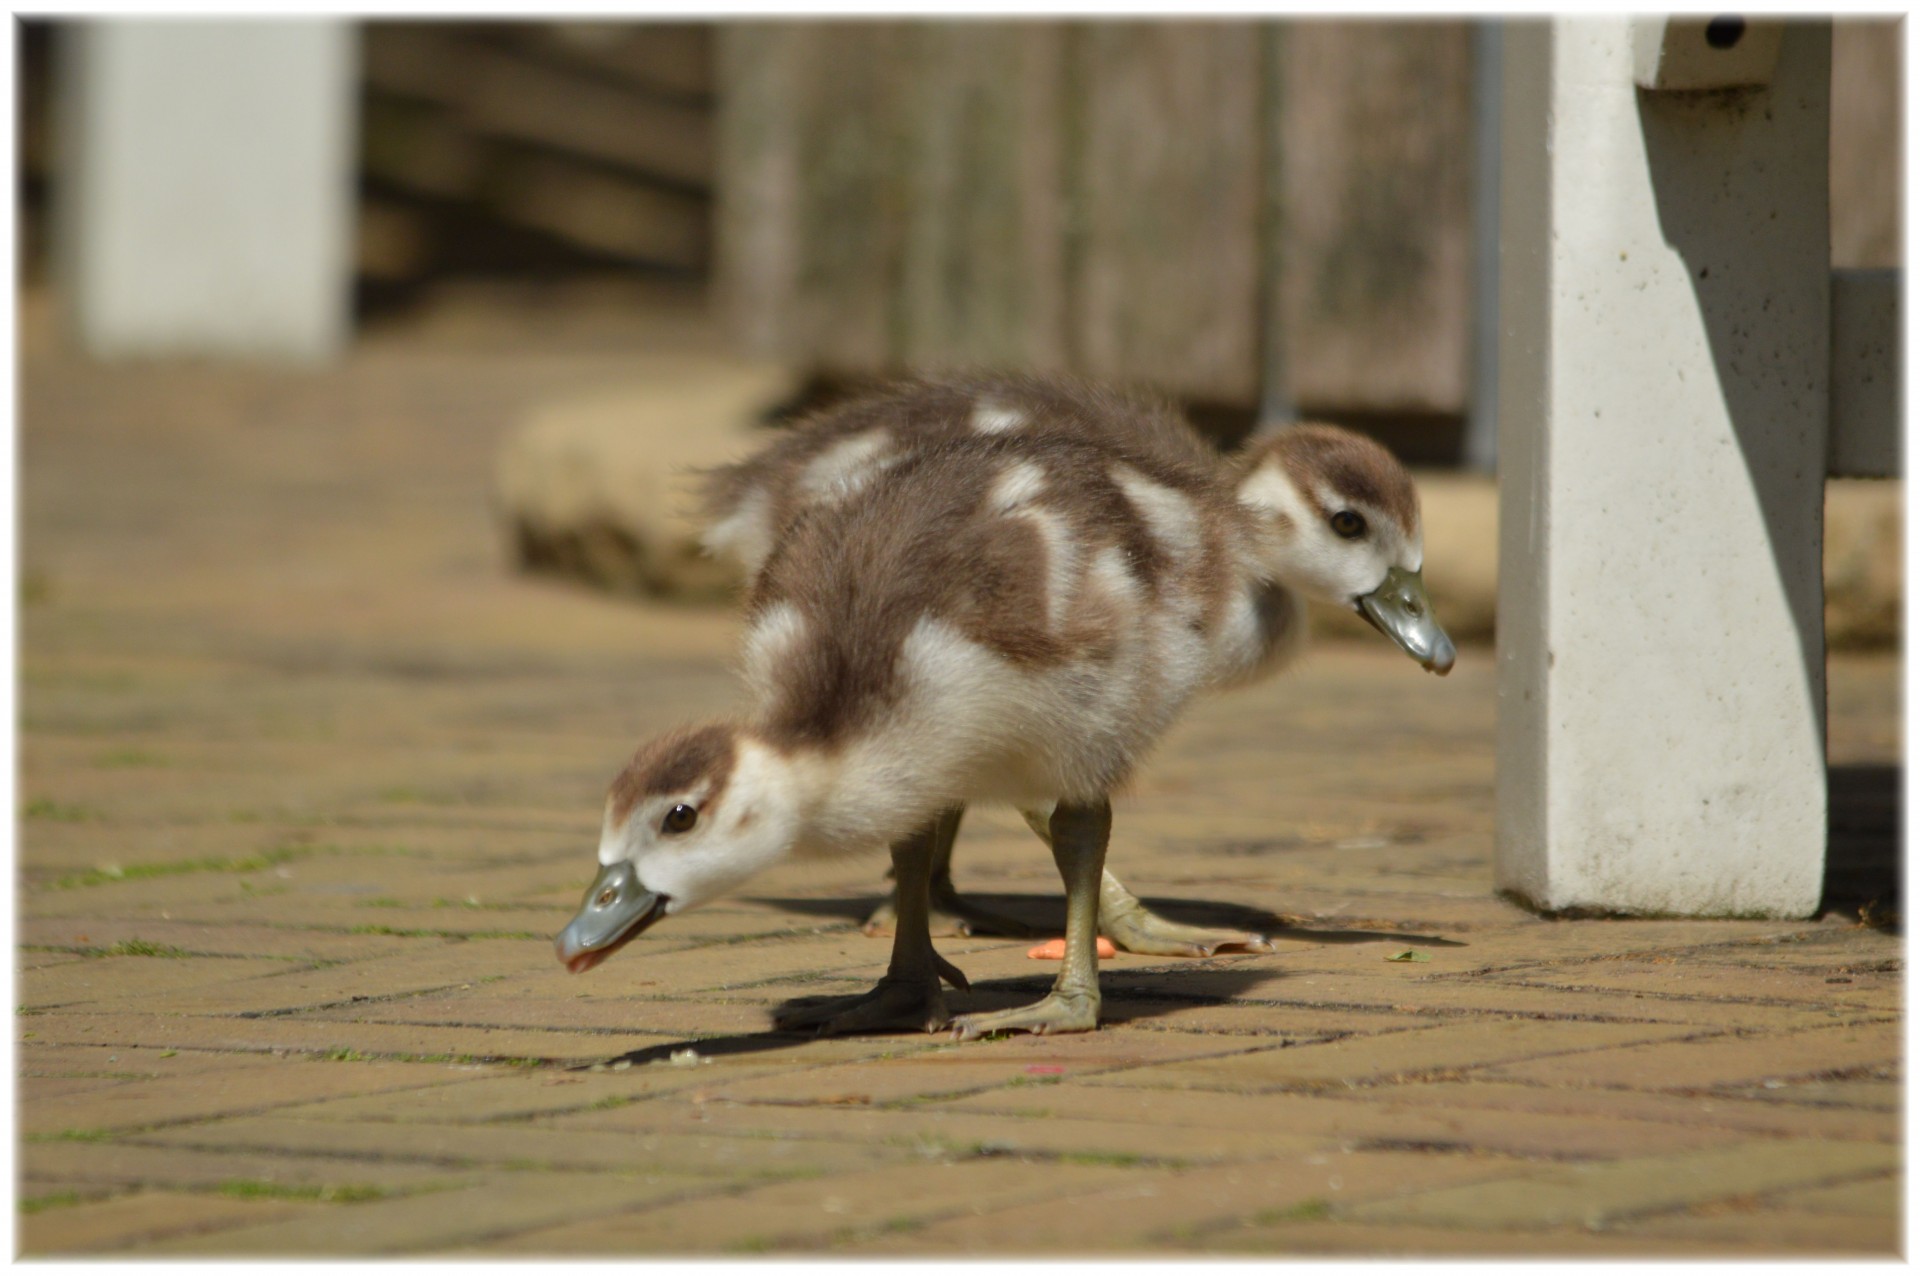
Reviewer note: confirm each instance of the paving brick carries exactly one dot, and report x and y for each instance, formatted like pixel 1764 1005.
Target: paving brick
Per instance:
pixel 950 1069
pixel 1399 1241
pixel 1372 1060
pixel 1880 1197
pixel 143 1221
pixel 1358 1118
pixel 25 961
pixel 1366 991
pixel 1565 944
pixel 1597 1194
pixel 1783 1232
pixel 1722 1112
pixel 141 979
pixel 811 1214
pixel 1252 1018
pixel 432 1222
pixel 227 940
pixel 482 1098
pixel 36 1090
pixel 1876 1095
pixel 593 1146
pixel 120 1166
pixel 931 1128
pixel 323 1035
pixel 543 1009
pixel 1151 1208
pixel 1836 948
pixel 123 1063
pixel 434 964
pixel 1678 977
pixel 1724 1061
pixel 258 1087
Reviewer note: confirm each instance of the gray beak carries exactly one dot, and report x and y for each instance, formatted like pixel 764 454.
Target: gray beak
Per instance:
pixel 615 909
pixel 1401 610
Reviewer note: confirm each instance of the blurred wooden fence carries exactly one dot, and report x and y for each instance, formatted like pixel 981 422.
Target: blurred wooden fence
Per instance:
pixel 1132 200
pixel 591 137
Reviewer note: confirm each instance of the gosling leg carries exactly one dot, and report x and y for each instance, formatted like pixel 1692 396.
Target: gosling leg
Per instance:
pixel 949 913
pixel 1078 835
pixel 1135 928
pixel 908 997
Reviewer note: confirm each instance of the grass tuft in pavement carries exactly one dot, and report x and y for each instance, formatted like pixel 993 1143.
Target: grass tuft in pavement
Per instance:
pixel 59 812
pixel 1310 1210
pixel 115 759
pixel 136 948
pixel 53 1201
pixel 336 1193
pixel 271 858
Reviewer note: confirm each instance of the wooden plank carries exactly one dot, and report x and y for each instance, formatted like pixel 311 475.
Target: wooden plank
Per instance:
pixel 1163 249
pixel 391 241
pixel 598 210
pixel 814 124
pixel 1096 196
pixel 420 147
pixel 756 219
pixel 1376 132
pixel 981 274
pixel 853 194
pixel 499 93
pixel 673 58
pixel 1867 151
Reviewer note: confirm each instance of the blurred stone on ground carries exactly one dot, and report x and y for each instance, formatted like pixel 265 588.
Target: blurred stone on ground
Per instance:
pixel 604 485
pixel 1865 563
pixel 308 780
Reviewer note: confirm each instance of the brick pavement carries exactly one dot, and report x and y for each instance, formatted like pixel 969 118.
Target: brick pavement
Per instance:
pixel 307 782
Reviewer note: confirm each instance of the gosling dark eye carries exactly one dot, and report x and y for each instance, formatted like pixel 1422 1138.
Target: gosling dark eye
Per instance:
pixel 679 819
pixel 1348 524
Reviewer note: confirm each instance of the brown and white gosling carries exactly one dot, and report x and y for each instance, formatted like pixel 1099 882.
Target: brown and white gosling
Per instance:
pixel 828 455
pixel 996 619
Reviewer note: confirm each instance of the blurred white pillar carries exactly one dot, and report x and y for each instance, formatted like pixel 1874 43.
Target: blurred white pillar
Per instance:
pixel 208 171
pixel 1663 409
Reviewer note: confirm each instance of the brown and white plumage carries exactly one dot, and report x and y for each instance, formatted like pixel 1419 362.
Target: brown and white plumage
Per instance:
pixel 984 591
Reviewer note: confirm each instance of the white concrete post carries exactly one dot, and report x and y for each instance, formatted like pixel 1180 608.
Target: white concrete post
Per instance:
pixel 1663 427
pixel 208 173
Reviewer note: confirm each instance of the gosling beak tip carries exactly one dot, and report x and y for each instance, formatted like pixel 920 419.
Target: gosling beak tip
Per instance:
pixel 1400 609
pixel 615 908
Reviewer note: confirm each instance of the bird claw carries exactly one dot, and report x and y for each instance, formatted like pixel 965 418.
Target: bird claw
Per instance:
pixel 955 977
pixel 905 1005
pixel 1056 1012
pixel 1148 934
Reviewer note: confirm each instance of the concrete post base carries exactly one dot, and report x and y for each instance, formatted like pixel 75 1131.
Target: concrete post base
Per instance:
pixel 1663 430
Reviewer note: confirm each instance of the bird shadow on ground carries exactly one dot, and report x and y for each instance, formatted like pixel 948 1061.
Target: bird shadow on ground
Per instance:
pixel 1046 916
pixel 1127 996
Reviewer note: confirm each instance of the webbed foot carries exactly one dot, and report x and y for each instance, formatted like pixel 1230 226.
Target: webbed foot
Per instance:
pixel 896 1005
pixel 1135 928
pixel 1058 1011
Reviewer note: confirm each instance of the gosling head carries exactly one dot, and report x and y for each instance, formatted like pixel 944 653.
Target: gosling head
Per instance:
pixel 694 814
pixel 1345 528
